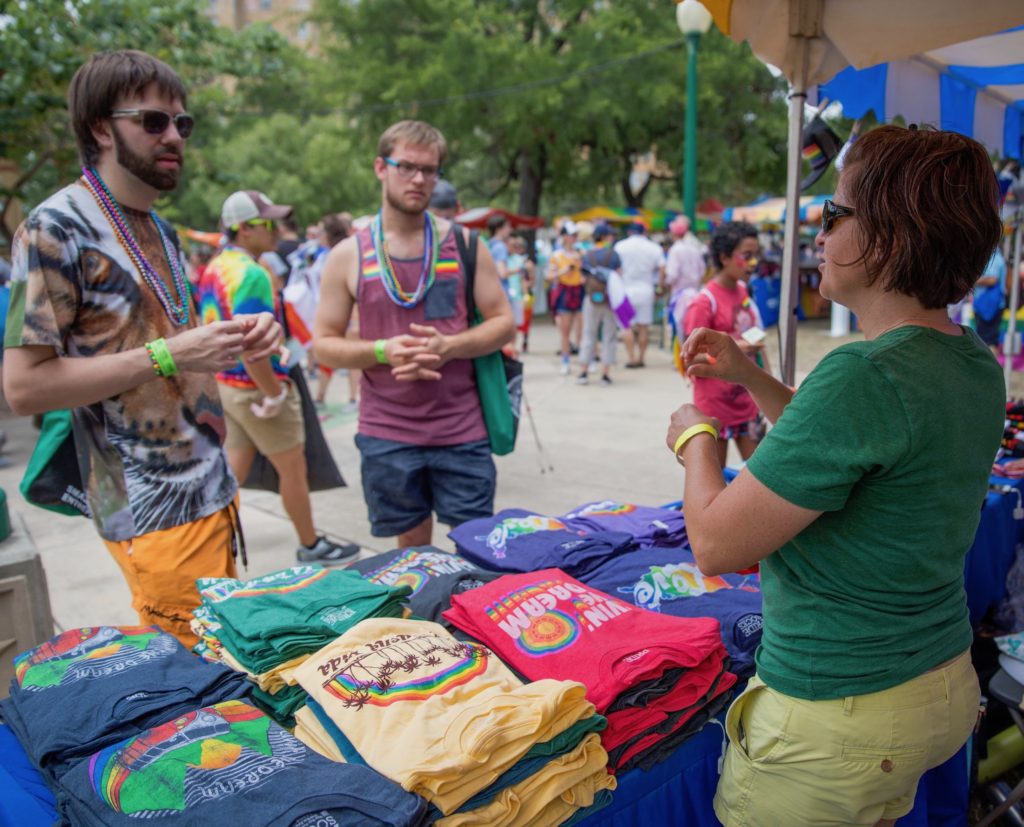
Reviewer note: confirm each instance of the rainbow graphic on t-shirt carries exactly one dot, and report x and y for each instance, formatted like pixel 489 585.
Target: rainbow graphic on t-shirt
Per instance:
pixel 512 527
pixel 531 616
pixel 282 582
pixel 607 508
pixel 371 678
pixel 228 741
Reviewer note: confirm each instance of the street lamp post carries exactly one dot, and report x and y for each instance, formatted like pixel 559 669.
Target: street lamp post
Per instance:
pixel 694 20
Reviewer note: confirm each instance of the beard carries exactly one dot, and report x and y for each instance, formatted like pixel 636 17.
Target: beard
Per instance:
pixel 396 203
pixel 145 169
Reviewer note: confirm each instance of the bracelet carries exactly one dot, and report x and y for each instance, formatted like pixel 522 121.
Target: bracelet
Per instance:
pixel 691 432
pixel 379 350
pixel 160 356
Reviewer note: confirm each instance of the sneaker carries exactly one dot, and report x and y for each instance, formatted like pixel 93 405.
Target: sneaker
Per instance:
pixel 326 552
pixel 582 379
pixel 564 369
pixel 606 381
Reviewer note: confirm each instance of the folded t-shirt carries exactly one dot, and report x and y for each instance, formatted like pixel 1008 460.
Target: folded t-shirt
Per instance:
pixel 432 574
pixel 519 541
pixel 90 687
pixel 547 624
pixel 667 580
pixel 229 764
pixel 648 526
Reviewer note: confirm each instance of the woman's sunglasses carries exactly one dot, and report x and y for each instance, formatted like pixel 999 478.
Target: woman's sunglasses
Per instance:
pixel 155 121
pixel 831 212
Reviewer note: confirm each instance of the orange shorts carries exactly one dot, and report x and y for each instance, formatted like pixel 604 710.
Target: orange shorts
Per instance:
pixel 162 567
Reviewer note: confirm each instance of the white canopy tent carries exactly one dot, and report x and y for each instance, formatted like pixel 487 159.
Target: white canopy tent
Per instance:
pixel 812 41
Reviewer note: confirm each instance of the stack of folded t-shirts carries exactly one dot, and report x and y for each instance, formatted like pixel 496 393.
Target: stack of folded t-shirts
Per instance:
pixel 228 763
pixel 515 540
pixel 449 721
pixel 432 574
pixel 667 580
pixel 274 622
pixel 656 678
pixel 649 526
pixel 88 688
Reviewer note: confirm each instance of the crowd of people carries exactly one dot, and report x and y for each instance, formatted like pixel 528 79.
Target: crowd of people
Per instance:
pixel 859 504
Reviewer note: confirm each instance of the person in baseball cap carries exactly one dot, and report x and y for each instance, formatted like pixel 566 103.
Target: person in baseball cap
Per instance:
pixel 249 205
pixel 444 201
pixel 262 407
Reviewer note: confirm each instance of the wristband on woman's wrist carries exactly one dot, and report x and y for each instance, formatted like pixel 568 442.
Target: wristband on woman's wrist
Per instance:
pixel 160 357
pixel 690 433
pixel 380 351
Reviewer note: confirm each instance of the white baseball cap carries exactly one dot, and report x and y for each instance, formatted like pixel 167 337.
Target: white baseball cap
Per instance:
pixel 245 205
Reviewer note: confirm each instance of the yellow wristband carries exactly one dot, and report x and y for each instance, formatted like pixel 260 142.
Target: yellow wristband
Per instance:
pixel 379 350
pixel 691 432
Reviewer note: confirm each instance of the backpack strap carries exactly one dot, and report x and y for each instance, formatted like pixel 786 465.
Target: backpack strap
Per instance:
pixel 467 255
pixel 711 298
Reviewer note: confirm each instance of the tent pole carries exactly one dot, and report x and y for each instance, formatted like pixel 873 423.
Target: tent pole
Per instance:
pixel 1011 329
pixel 790 286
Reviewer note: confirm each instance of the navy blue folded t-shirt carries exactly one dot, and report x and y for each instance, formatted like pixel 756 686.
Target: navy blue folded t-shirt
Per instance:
pixel 90 687
pixel 229 764
pixel 667 580
pixel 432 574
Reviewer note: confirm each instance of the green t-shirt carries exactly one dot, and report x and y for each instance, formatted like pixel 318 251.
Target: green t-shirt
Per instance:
pixel 893 440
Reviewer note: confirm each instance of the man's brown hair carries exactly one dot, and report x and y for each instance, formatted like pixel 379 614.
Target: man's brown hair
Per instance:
pixel 105 79
pixel 414 133
pixel 927 207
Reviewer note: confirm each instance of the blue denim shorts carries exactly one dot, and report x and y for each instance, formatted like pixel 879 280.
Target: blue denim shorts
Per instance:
pixel 403 484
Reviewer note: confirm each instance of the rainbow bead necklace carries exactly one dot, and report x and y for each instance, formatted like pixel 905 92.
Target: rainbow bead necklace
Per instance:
pixel 388 277
pixel 177 310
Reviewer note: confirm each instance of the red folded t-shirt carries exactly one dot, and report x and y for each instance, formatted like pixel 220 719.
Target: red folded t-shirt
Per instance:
pixel 546 624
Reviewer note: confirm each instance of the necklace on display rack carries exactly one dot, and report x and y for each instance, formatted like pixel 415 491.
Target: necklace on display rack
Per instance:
pixel 389 278
pixel 177 310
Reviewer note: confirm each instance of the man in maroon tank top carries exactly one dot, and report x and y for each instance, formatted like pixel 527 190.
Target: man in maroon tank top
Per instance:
pixel 421 432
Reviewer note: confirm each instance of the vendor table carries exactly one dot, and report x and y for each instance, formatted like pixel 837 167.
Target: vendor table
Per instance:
pixel 683 786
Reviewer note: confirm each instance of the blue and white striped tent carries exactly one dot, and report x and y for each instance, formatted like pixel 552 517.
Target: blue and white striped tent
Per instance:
pixel 975 88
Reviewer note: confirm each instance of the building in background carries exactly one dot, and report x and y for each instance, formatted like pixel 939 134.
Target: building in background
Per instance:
pixel 288 17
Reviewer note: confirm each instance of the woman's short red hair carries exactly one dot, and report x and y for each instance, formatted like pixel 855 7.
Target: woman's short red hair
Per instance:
pixel 927 207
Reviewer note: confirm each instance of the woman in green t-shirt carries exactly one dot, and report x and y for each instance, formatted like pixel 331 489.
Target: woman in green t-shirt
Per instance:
pixel 862 501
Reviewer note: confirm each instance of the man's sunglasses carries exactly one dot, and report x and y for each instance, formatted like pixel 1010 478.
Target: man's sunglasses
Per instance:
pixel 266 223
pixel 155 121
pixel 831 212
pixel 408 171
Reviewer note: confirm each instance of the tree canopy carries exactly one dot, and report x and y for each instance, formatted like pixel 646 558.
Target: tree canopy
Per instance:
pixel 546 105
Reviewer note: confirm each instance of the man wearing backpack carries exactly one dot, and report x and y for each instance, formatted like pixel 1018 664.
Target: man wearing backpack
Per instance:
pixel 598 265
pixel 422 436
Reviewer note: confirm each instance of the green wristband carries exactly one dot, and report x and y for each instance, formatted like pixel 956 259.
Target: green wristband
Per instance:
pixel 380 351
pixel 161 356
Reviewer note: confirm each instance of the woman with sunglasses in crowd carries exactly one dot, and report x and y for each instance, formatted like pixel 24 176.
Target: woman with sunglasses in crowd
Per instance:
pixel 724 304
pixel 862 501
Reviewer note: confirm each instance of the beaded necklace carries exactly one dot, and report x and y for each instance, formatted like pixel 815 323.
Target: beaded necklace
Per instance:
pixel 389 278
pixel 177 310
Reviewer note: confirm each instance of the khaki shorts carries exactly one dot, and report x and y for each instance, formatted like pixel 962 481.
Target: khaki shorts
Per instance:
pixel 162 567
pixel 268 436
pixel 851 761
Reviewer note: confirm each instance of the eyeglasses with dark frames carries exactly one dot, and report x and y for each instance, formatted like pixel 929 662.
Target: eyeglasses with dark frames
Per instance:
pixel 407 171
pixel 831 212
pixel 156 121
pixel 265 223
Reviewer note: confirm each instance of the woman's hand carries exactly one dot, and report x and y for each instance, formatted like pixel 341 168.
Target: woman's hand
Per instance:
pixel 711 353
pixel 685 417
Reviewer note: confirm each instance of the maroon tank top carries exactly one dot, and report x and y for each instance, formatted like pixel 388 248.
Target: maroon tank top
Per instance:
pixel 446 412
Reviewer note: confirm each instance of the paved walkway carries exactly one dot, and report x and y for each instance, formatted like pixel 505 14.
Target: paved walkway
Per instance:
pixel 597 443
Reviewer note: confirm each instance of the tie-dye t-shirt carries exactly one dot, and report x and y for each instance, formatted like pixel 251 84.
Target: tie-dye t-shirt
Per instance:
pixel 150 457
pixel 233 283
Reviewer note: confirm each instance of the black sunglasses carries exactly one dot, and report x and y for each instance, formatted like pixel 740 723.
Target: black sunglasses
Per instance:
pixel 155 121
pixel 831 212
